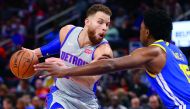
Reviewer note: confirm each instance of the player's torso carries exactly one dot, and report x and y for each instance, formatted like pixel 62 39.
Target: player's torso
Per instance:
pixel 173 82
pixel 73 55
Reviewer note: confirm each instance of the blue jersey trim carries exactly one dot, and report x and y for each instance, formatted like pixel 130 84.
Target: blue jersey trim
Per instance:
pixel 97 47
pixel 95 87
pixel 57 106
pixel 49 100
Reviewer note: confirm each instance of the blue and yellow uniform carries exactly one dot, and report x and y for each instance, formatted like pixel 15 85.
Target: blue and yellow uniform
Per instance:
pixel 173 82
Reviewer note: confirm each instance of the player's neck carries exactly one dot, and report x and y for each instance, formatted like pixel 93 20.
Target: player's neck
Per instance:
pixel 150 41
pixel 83 38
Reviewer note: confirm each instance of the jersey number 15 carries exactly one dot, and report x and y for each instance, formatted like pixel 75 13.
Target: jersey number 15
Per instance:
pixel 185 70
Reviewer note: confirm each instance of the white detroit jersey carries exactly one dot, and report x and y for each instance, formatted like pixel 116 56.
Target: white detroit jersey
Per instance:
pixel 70 92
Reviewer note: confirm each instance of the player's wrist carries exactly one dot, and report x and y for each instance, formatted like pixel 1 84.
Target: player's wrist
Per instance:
pixel 65 72
pixel 37 52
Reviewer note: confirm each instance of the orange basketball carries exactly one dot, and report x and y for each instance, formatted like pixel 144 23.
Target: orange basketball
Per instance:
pixel 21 64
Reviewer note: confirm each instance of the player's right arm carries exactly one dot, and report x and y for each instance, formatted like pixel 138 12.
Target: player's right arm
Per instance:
pixel 139 57
pixel 54 46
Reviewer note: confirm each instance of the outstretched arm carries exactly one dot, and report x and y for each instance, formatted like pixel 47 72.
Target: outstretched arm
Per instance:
pixel 54 46
pixel 137 58
pixel 140 57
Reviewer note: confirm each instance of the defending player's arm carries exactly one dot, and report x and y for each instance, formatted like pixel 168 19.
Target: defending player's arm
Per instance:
pixel 54 46
pixel 140 57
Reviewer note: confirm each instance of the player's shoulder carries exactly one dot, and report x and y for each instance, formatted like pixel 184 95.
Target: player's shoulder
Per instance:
pixel 104 49
pixel 63 32
pixel 66 28
pixel 104 44
pixel 148 51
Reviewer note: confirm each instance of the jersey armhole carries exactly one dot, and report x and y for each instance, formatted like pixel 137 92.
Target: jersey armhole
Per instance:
pixel 151 74
pixel 158 45
pixel 67 36
pixel 97 47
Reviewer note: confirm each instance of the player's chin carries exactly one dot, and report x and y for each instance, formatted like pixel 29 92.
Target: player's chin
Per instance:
pixel 97 41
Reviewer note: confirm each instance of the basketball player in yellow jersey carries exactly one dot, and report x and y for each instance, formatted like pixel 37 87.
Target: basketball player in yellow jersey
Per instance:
pixel 78 46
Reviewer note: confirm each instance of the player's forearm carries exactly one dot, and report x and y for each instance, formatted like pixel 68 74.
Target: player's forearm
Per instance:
pixel 105 66
pixel 96 68
pixel 51 48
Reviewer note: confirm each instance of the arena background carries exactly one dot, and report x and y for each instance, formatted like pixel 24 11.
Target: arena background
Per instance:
pixel 32 23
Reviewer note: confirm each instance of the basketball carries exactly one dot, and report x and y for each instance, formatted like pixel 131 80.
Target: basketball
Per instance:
pixel 21 64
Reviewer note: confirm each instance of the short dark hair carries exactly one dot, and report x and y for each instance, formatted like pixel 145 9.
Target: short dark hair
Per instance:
pixel 98 7
pixel 159 24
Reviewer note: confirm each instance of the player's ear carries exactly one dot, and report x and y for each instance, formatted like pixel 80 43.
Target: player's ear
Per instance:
pixel 86 21
pixel 147 32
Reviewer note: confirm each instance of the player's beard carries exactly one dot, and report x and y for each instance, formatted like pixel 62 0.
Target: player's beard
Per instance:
pixel 92 36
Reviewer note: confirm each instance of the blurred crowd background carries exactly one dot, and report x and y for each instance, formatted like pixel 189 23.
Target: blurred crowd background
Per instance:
pixel 32 23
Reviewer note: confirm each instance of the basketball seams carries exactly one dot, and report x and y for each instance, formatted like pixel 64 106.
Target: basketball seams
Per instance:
pixel 19 62
pixel 28 66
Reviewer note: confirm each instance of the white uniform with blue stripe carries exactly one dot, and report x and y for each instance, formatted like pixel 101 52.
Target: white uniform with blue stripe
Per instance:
pixel 69 92
pixel 173 82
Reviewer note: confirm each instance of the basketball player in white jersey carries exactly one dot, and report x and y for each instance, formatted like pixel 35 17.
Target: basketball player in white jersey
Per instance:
pixel 78 46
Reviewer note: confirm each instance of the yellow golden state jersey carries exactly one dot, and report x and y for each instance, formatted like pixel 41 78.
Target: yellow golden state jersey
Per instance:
pixel 173 82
